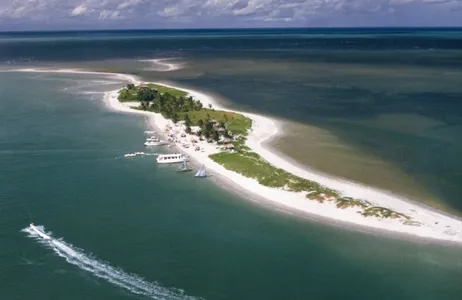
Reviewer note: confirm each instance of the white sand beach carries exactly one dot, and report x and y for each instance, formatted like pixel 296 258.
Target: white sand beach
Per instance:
pixel 433 224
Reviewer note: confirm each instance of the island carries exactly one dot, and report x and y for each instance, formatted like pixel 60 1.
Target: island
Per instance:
pixel 229 130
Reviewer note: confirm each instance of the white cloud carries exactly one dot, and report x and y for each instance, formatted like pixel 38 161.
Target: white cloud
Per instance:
pixel 79 10
pixel 166 13
pixel 128 3
pixel 108 14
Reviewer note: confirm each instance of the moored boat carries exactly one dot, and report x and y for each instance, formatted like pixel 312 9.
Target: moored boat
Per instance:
pixel 155 143
pixel 184 167
pixel 171 158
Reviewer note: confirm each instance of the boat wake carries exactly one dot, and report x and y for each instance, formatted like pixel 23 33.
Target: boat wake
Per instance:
pixel 130 282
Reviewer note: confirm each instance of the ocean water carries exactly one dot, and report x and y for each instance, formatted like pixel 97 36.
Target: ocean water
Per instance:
pixel 130 229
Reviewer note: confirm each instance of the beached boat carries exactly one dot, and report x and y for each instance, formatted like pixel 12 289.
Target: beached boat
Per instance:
pixel 184 167
pixel 171 158
pixel 201 173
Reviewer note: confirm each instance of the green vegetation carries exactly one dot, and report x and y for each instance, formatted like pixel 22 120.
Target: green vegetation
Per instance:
pixel 137 93
pixel 382 212
pixel 251 165
pixel 236 123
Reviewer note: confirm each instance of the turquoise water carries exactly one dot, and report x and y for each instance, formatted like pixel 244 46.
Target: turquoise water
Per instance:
pixel 131 220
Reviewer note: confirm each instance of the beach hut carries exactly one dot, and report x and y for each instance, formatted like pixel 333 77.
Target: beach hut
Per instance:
pixel 230 148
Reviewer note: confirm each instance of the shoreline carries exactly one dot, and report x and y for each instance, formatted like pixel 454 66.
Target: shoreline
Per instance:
pixel 435 225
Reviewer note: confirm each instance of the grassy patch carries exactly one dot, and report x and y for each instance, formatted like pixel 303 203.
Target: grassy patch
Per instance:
pixel 164 89
pixel 251 165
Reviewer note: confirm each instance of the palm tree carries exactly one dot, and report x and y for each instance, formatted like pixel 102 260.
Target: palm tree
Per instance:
pixel 175 118
pixel 187 120
pixel 215 136
pixel 144 105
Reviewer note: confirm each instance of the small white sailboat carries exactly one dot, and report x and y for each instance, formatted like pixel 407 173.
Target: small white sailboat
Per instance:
pixel 201 173
pixel 184 167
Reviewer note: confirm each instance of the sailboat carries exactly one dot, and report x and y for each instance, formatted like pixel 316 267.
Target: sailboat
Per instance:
pixel 184 167
pixel 201 173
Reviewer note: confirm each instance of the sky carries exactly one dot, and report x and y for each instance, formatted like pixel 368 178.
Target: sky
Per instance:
pixel 153 14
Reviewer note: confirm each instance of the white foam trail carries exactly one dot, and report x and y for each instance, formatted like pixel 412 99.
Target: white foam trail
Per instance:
pixel 166 67
pixel 101 269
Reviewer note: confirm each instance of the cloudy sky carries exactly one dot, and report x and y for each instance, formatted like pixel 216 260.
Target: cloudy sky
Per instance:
pixel 117 14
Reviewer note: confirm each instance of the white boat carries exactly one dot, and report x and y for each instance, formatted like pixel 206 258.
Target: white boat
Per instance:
pixel 201 173
pixel 171 158
pixel 134 154
pixel 153 139
pixel 41 234
pixel 149 132
pixel 158 143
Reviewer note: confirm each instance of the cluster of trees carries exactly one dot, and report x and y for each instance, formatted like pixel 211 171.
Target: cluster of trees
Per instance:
pixel 142 94
pixel 169 105
pixel 209 129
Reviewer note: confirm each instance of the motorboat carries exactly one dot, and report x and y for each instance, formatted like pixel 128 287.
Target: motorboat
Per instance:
pixel 134 154
pixel 40 233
